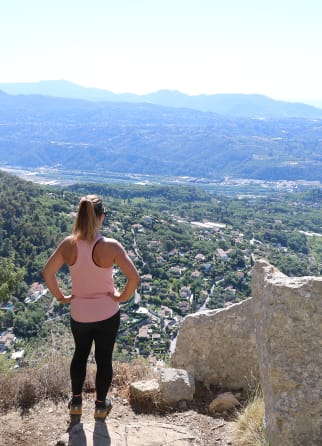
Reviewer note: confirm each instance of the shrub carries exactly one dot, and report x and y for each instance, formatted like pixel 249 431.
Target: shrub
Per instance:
pixel 27 395
pixel 53 380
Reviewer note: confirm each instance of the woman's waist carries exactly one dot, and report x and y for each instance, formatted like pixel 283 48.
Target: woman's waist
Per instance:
pixel 91 309
pixel 97 295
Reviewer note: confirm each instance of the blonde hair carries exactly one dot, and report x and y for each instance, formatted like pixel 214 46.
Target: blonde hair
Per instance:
pixel 85 225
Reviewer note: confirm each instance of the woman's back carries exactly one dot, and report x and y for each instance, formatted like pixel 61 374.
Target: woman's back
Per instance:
pixel 92 284
pixel 104 252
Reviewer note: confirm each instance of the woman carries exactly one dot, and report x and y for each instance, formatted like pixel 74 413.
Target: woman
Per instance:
pixel 95 313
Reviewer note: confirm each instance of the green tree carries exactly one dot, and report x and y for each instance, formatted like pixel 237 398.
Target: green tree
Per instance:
pixel 10 278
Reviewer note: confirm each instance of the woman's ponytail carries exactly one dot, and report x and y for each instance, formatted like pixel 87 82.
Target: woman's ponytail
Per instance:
pixel 85 226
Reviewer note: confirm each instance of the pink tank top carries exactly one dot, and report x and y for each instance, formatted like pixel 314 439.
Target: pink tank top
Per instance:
pixel 91 285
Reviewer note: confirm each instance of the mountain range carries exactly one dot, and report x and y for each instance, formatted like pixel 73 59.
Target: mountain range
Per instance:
pixel 241 105
pixel 145 138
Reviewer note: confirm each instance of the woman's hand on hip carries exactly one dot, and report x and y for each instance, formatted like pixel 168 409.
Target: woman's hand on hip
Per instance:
pixel 66 299
pixel 115 295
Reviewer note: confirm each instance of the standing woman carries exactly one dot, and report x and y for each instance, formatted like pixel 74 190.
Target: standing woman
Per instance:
pixel 95 312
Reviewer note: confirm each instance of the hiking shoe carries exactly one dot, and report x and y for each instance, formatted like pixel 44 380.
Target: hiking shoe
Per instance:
pixel 75 407
pixel 102 409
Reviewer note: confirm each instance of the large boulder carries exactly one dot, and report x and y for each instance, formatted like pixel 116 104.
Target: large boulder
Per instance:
pixel 143 390
pixel 176 385
pixel 173 385
pixel 289 343
pixel 219 346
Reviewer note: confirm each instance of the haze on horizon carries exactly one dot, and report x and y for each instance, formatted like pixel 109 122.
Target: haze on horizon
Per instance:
pixel 269 47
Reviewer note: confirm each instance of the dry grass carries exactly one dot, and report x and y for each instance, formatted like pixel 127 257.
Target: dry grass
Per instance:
pixel 125 373
pixel 23 388
pixel 250 427
pixel 47 377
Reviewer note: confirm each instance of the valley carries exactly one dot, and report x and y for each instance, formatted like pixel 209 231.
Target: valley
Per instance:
pixel 228 186
pixel 194 247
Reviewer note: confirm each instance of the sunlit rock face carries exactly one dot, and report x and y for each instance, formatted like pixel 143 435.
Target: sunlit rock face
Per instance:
pixel 219 347
pixel 289 344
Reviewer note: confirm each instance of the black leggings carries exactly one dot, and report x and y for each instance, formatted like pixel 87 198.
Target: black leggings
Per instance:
pixel 103 333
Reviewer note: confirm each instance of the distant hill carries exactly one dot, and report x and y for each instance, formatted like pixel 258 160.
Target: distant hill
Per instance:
pixel 63 89
pixel 239 105
pixel 144 138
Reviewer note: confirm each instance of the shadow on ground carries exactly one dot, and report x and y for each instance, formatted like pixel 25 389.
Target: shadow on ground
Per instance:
pixel 78 436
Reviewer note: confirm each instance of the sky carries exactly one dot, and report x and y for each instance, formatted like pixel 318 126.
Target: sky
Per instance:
pixel 270 47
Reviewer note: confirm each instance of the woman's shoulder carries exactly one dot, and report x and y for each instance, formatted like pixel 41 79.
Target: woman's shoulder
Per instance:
pixel 67 244
pixel 110 246
pixel 106 251
pixel 69 240
pixel 111 242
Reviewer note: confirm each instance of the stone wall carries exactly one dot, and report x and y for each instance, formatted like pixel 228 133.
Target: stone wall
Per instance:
pixel 219 346
pixel 289 344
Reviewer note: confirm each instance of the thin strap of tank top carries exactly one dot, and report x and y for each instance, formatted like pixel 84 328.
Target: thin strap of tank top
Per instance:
pixel 98 238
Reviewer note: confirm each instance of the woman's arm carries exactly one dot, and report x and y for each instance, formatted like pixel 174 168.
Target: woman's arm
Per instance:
pixel 53 265
pixel 122 260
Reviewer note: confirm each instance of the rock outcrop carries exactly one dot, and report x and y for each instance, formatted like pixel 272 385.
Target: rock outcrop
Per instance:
pixel 219 346
pixel 289 344
pixel 274 336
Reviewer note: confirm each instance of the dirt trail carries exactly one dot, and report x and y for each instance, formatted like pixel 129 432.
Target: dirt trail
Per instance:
pixel 47 425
